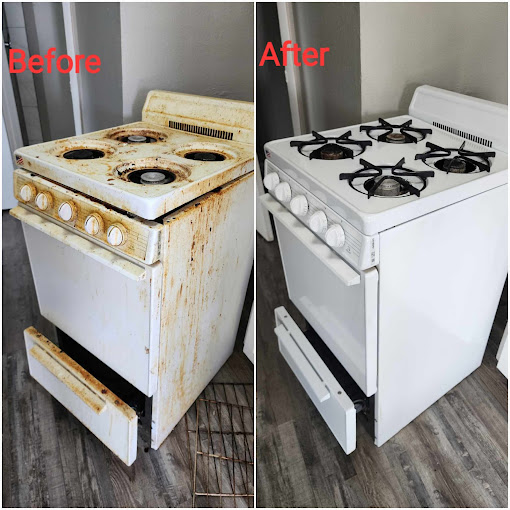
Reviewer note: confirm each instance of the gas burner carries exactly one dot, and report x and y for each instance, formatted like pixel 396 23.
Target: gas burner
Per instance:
pixel 396 133
pixel 331 148
pixel 84 154
pixel 399 182
pixel 151 176
pixel 137 139
pixel 463 162
pixel 137 136
pixel 204 156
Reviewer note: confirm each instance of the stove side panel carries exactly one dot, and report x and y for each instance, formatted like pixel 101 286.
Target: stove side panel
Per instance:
pixel 207 253
pixel 441 278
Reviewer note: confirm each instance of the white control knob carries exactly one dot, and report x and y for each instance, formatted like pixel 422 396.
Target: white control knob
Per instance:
pixel 319 222
pixel 116 234
pixel 94 224
pixel 271 180
pixel 27 192
pixel 43 201
pixel 335 236
pixel 283 192
pixel 299 205
pixel 68 211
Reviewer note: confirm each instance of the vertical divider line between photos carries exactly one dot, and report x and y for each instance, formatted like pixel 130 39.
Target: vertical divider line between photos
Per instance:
pixel 254 305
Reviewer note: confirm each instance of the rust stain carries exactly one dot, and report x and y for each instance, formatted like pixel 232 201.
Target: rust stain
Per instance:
pixel 188 343
pixel 119 134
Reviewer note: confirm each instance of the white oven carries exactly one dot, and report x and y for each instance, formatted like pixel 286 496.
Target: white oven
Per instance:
pixel 399 285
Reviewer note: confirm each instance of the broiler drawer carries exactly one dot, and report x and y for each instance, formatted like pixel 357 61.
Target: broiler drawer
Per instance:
pixel 94 405
pixel 329 397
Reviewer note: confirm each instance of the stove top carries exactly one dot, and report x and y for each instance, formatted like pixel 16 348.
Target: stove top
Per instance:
pixel 391 202
pixel 146 168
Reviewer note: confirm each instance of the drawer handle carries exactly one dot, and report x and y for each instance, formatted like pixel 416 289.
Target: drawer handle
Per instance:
pixel 63 375
pixel 300 365
pixel 328 257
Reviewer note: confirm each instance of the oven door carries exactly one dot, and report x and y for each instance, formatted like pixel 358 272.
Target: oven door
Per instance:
pixel 103 300
pixel 339 302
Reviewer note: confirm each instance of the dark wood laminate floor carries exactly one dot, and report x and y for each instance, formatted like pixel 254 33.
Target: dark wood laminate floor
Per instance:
pixel 454 454
pixel 49 458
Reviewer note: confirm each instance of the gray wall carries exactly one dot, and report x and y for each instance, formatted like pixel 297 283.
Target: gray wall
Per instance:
pixel 199 48
pixel 332 94
pixel 456 46
pixel 98 33
pixel 44 25
pixel 273 118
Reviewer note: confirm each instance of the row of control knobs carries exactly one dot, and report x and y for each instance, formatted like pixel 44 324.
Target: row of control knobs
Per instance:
pixel 318 222
pixel 116 234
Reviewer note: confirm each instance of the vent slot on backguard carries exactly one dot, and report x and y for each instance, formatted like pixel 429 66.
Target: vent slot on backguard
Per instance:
pixel 199 130
pixel 463 134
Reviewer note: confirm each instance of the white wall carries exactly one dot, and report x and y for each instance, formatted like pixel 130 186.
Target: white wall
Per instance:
pixel 456 46
pixel 198 48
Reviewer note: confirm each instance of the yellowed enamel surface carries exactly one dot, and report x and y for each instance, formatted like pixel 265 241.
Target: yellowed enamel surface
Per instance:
pixel 234 119
pixel 100 177
pixel 142 239
pixel 204 286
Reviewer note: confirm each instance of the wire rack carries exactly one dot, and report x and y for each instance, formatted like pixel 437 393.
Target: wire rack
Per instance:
pixel 221 444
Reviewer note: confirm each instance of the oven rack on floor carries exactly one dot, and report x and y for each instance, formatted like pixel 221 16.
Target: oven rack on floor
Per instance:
pixel 220 435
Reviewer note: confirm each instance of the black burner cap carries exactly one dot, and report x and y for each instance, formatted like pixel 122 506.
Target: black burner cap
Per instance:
pixel 205 156
pixel 84 154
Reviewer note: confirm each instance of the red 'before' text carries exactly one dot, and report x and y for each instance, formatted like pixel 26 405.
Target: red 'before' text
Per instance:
pixel 311 57
pixel 63 63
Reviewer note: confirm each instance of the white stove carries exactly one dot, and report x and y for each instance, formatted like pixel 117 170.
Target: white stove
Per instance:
pixel 140 241
pixel 390 232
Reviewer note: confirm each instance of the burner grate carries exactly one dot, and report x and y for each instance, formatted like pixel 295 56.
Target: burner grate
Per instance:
pixel 396 133
pixel 399 182
pixel 331 148
pixel 220 434
pixel 460 161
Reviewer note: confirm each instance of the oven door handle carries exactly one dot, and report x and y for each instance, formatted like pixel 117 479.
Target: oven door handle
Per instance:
pixel 326 255
pixel 102 255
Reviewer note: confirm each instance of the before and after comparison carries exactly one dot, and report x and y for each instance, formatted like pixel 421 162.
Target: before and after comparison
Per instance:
pixel 255 254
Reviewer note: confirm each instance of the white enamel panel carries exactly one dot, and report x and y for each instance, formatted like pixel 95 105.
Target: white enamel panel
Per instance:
pixel 104 302
pixel 103 413
pixel 325 392
pixel 339 303
pixel 485 119
pixel 440 283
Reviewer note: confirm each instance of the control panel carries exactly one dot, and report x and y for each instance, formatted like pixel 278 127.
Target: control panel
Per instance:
pixel 338 234
pixel 136 237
